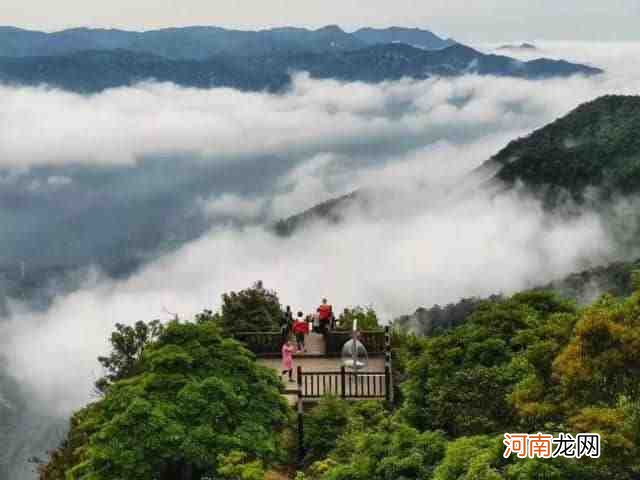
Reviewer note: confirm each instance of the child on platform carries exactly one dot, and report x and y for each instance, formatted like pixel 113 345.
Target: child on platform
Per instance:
pixel 287 359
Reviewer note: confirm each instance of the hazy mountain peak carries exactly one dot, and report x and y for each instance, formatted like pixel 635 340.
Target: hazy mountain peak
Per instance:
pixel 8 28
pixel 411 36
pixel 460 48
pixel 521 46
pixel 330 29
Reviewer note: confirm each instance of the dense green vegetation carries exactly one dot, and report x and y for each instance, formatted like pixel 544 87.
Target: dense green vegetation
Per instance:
pixel 196 401
pixel 596 145
pixel 529 363
pixel 533 362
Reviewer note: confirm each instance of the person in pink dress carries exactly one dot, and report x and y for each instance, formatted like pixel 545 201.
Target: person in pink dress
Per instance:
pixel 287 358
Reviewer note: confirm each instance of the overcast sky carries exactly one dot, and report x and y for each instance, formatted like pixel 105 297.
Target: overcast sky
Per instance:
pixel 466 20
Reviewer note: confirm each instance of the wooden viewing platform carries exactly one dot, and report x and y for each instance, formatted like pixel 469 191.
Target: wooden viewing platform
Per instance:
pixel 319 371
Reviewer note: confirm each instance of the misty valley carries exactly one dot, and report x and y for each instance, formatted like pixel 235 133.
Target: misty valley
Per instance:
pixel 180 208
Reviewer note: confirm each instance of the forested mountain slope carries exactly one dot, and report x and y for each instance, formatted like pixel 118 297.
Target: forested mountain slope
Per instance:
pixel 595 145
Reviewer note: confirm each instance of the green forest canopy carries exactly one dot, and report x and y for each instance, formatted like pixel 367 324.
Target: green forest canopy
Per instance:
pixel 595 145
pixel 529 363
pixel 198 400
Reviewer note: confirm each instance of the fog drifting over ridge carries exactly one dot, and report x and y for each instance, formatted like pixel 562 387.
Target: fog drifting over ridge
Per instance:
pixel 227 157
pixel 151 155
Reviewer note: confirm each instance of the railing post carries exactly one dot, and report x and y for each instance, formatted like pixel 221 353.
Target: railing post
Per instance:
pixel 343 383
pixel 387 384
pixel 387 364
pixel 387 345
pixel 300 420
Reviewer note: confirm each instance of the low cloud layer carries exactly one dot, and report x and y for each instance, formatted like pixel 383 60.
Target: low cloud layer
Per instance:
pixel 124 126
pixel 187 178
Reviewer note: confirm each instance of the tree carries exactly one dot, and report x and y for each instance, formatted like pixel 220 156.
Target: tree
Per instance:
pixel 373 445
pixel 254 309
pixel 602 361
pixel 471 458
pixel 127 345
pixel 463 382
pixel 323 426
pixel 366 317
pixel 196 401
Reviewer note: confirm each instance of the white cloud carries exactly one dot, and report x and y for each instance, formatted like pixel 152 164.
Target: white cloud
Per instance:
pixel 59 181
pixel 232 206
pixel 308 185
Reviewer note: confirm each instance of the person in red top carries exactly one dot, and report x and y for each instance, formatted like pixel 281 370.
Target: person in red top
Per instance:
pixel 325 315
pixel 300 328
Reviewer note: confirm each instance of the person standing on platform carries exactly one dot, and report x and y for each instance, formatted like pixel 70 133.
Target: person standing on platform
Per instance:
pixel 286 323
pixel 287 359
pixel 325 316
pixel 300 329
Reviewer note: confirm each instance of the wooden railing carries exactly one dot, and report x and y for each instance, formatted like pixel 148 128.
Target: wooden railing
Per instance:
pixel 344 384
pixel 373 340
pixel 268 344
pixel 263 344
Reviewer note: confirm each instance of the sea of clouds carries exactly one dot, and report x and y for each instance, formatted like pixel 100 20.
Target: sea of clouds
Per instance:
pixel 79 174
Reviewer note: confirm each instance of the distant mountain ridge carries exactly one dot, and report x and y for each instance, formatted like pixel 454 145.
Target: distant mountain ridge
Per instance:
pixel 583 287
pixel 201 42
pixel 331 211
pixel 95 70
pixel 409 36
pixel 522 46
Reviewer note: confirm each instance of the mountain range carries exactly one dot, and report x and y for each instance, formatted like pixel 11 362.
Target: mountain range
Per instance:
pixel 199 43
pixel 89 61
